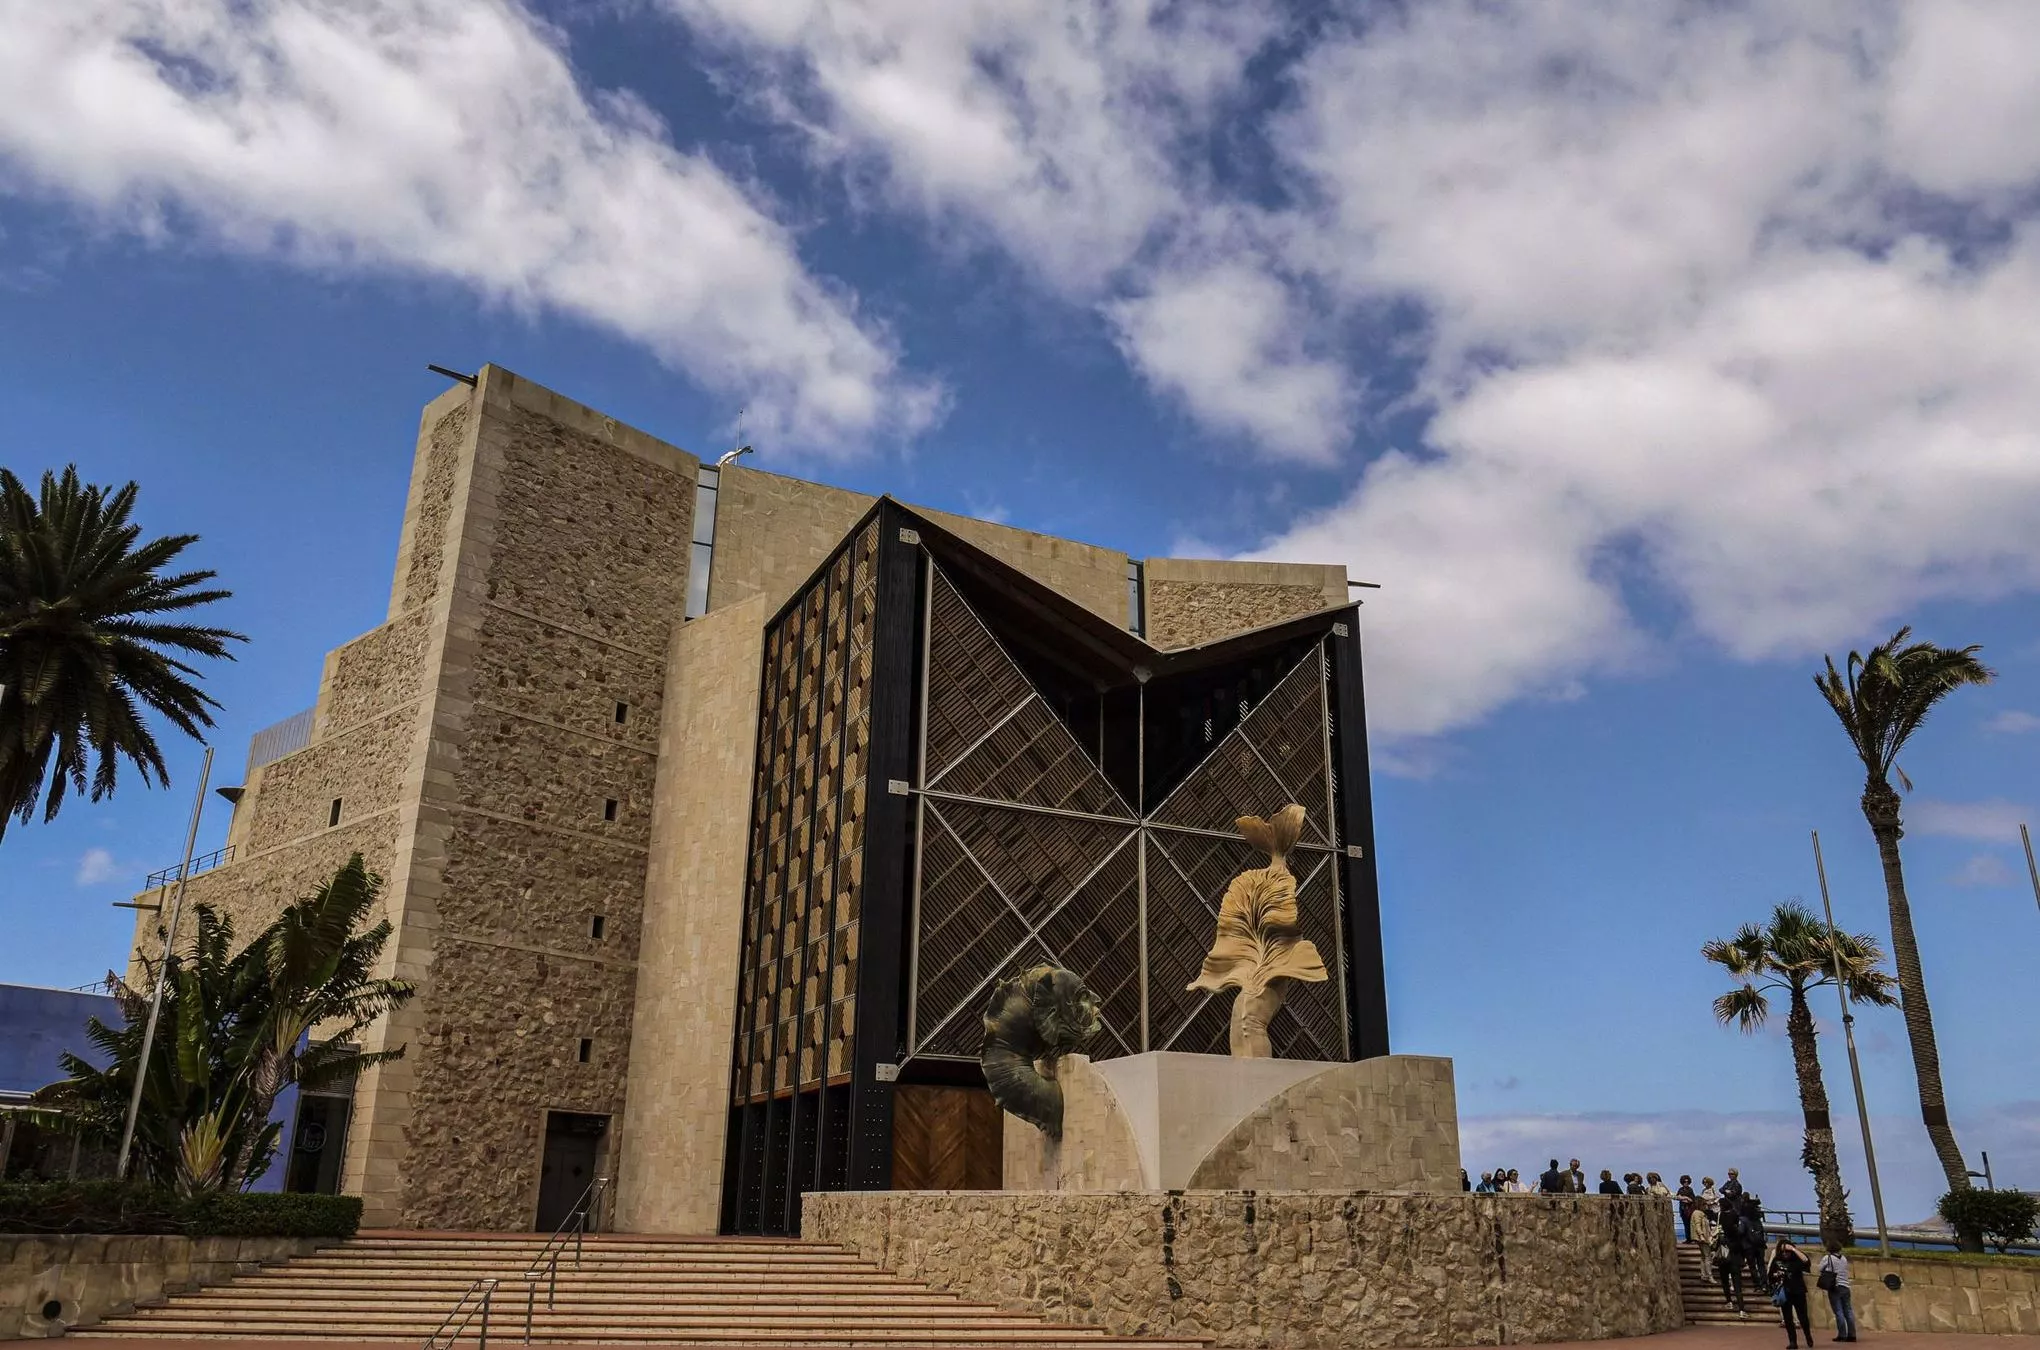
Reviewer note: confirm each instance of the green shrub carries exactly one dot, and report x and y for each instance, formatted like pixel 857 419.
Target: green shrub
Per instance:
pixel 124 1207
pixel 1997 1217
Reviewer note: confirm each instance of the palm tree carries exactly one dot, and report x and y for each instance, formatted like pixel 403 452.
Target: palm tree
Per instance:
pixel 233 1034
pixel 83 645
pixel 1795 952
pixel 1882 697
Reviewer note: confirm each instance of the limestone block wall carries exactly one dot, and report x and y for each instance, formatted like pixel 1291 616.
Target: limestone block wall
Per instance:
pixel 90 1277
pixel 1388 1122
pixel 772 532
pixel 1191 601
pixel 1298 1271
pixel 1093 577
pixel 1938 1296
pixel 669 1177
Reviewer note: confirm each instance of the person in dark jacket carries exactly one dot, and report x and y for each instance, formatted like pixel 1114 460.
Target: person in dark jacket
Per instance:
pixel 1733 1186
pixel 1728 1267
pixel 1788 1273
pixel 1553 1182
pixel 1751 1237
pixel 1634 1181
pixel 1689 1200
pixel 1608 1185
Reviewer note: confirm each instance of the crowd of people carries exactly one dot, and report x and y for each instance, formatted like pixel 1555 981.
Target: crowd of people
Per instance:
pixel 1727 1223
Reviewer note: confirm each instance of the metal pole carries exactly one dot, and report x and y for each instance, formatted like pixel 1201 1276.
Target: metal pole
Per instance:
pixel 127 1133
pixel 1849 1034
pixel 2031 870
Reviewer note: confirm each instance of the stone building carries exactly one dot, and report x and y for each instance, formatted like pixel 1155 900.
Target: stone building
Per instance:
pixel 709 802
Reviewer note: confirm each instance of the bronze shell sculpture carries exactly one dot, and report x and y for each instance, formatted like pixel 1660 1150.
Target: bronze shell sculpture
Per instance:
pixel 1257 950
pixel 1036 1017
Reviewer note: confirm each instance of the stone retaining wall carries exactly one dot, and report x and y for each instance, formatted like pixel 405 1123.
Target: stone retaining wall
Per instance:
pixel 1937 1296
pixel 1284 1270
pixel 91 1277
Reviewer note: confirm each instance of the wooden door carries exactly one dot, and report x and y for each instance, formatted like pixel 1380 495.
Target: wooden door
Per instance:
pixel 946 1139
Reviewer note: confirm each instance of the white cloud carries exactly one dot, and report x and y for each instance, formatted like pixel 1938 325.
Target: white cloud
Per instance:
pixel 2012 722
pixel 1985 870
pixel 1991 822
pixel 1728 302
pixel 1065 133
pixel 1686 329
pixel 446 139
pixel 96 867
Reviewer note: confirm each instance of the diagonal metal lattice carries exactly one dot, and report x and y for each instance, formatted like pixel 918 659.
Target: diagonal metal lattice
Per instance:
pixel 1009 877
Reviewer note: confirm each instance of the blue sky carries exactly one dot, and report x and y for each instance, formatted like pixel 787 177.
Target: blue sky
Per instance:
pixel 1642 354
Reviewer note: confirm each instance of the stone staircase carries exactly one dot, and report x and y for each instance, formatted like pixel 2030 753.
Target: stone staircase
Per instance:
pixel 1702 1294
pixel 756 1292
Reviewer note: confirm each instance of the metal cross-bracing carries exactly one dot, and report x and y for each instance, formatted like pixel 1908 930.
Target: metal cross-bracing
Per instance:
pixel 1028 853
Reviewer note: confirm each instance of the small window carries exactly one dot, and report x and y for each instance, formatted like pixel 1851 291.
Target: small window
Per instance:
pixel 597 925
pixel 587 1049
pixel 622 713
pixel 333 814
pixel 609 808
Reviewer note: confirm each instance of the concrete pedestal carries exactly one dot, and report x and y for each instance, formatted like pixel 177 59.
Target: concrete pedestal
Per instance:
pixel 1164 1121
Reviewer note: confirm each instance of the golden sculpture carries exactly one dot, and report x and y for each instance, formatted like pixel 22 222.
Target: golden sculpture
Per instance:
pixel 1257 951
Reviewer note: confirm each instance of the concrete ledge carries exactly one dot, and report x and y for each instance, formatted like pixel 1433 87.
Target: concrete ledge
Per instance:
pixel 90 1276
pixel 1937 1296
pixel 1284 1270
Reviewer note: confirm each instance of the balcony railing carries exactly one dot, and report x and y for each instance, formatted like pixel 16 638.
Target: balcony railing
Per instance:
pixel 219 857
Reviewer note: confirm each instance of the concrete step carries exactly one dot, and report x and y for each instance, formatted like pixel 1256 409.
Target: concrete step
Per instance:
pixel 398 1288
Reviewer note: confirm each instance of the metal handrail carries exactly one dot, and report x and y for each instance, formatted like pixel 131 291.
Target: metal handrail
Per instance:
pixel 548 1261
pixel 487 1290
pixel 219 857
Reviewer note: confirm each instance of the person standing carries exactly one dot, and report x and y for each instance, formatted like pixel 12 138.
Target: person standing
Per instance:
pixel 1553 1182
pixel 1608 1183
pixel 1732 1186
pixel 1515 1184
pixel 1465 1183
pixel 1635 1183
pixel 1708 1210
pixel 1728 1266
pixel 1576 1178
pixel 1834 1278
pixel 1750 1226
pixel 1688 1202
pixel 1788 1276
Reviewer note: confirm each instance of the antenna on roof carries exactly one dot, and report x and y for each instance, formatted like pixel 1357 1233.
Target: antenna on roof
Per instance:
pixel 729 457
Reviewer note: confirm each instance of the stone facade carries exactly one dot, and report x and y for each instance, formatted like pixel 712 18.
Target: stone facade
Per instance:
pixel 1190 601
pixel 90 1278
pixel 1298 1271
pixel 498 749
pixel 1939 1296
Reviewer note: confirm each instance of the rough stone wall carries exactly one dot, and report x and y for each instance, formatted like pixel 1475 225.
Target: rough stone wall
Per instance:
pixel 363 767
pixel 568 575
pixel 421 555
pixel 92 1277
pixel 1296 1270
pixel 1937 1296
pixel 1193 601
pixel 669 1178
pixel 381 670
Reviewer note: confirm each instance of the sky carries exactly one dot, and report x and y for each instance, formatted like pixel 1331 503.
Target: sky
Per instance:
pixel 1643 355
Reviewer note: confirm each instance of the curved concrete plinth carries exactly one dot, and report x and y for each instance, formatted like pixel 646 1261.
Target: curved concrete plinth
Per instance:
pixel 1284 1270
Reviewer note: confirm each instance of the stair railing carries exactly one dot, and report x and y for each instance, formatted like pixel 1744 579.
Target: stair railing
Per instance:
pixel 474 1302
pixel 547 1266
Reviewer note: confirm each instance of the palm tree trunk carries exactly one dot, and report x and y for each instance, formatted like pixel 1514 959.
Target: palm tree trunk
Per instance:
pixel 1880 808
pixel 1818 1153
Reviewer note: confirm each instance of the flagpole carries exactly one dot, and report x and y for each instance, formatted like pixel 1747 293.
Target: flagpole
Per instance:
pixel 1849 1034
pixel 127 1133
